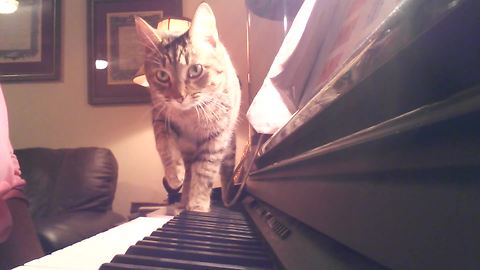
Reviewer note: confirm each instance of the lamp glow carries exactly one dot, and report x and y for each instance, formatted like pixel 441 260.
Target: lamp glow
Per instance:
pixel 101 64
pixel 8 6
pixel 173 25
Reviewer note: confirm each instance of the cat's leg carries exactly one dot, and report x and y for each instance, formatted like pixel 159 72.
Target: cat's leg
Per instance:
pixel 170 155
pixel 205 168
pixel 201 186
pixel 227 167
pixel 176 172
pixel 186 186
pixel 173 163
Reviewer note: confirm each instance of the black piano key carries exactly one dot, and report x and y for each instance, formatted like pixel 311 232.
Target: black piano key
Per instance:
pixel 174 239
pixel 192 215
pixel 203 237
pixel 189 227
pixel 225 215
pixel 169 263
pixel 202 246
pixel 203 256
pixel 124 266
pixel 200 230
pixel 209 226
pixel 217 220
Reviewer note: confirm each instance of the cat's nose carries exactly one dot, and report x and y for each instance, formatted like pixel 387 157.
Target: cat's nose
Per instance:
pixel 180 95
pixel 180 99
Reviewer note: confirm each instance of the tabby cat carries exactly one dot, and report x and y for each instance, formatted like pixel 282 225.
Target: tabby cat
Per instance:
pixel 195 95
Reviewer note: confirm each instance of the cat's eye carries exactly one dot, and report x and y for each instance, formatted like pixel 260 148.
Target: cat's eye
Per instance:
pixel 162 76
pixel 194 71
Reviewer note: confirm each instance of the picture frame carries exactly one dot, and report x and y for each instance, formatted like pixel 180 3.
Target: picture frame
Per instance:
pixel 30 47
pixel 114 51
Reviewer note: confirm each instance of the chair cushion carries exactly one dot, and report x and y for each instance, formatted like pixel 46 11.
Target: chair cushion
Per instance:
pixel 66 229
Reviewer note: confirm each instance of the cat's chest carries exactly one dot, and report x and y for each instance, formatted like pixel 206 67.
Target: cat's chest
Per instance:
pixel 191 129
pixel 188 135
pixel 195 127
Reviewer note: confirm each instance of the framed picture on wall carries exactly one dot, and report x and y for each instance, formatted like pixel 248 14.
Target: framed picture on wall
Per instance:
pixel 30 42
pixel 114 52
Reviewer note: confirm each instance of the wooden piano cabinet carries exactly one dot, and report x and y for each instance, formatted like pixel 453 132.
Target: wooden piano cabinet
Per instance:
pixel 391 168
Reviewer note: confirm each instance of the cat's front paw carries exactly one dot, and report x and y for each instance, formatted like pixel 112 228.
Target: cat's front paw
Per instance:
pixel 198 207
pixel 172 182
pixel 169 188
pixel 179 206
pixel 174 209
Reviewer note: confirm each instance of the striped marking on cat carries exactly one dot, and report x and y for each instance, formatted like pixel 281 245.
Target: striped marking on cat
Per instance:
pixel 168 126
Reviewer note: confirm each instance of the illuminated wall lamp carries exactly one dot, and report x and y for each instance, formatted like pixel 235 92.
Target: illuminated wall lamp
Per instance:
pixel 8 6
pixel 101 64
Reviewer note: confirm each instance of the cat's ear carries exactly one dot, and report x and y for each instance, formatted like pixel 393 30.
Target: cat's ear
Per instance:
pixel 147 34
pixel 204 27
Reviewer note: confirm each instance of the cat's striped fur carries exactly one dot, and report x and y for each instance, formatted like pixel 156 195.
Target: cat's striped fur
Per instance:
pixel 195 95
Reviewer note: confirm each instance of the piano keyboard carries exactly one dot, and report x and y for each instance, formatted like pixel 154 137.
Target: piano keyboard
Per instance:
pixel 221 239
pixel 91 253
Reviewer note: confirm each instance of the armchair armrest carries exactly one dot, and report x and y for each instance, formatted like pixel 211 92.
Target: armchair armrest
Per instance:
pixel 60 231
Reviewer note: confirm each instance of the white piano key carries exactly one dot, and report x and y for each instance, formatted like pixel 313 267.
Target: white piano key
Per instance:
pixel 101 248
pixel 24 267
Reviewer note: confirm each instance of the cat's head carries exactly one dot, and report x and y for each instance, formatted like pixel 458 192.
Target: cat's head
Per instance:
pixel 183 71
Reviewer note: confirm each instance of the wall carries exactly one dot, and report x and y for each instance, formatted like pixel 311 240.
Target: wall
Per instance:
pixel 57 114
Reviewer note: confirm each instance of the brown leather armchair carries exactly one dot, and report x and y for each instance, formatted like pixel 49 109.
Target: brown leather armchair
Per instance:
pixel 70 192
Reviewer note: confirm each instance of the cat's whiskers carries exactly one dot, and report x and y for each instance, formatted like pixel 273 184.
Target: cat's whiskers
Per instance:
pixel 204 114
pixel 206 103
pixel 206 109
pixel 198 114
pixel 168 120
pixel 219 105
pixel 159 106
pixel 161 109
pixel 158 109
pixel 212 112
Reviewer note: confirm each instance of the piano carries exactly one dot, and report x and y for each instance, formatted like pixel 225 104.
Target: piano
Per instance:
pixel 386 175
